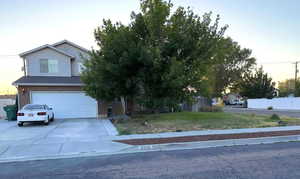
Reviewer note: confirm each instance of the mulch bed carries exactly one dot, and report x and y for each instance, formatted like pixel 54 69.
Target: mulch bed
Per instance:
pixel 207 137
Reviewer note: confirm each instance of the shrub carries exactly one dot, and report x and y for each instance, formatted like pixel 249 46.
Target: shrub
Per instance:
pixel 270 108
pixel 211 109
pixel 217 109
pixel 282 123
pixel 119 119
pixel 205 109
pixel 124 132
pixel 275 117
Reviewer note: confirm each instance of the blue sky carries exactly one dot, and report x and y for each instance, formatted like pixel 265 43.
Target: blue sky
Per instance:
pixel 269 27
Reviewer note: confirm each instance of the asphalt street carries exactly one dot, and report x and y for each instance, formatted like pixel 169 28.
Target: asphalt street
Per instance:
pixel 281 160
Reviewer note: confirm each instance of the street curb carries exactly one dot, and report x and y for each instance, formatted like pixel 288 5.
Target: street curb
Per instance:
pixel 109 127
pixel 203 132
pixel 165 147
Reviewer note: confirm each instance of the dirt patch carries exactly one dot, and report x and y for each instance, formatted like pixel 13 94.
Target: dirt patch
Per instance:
pixel 206 137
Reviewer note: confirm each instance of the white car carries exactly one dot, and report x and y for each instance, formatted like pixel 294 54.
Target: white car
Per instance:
pixel 35 113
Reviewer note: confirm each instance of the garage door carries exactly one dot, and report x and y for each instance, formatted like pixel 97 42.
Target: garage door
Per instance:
pixel 67 104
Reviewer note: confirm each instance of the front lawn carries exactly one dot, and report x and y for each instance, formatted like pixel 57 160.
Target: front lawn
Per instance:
pixel 187 121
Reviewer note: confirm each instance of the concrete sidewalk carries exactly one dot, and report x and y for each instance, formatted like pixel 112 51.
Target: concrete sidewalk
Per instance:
pixel 106 146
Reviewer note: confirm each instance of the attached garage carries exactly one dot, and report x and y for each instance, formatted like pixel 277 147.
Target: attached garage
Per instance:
pixel 72 104
pixel 64 94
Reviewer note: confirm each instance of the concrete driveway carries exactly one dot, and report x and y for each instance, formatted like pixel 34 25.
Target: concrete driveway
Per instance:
pixel 61 137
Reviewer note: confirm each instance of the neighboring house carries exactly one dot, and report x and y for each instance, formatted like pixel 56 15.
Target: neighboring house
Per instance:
pixel 52 77
pixel 4 101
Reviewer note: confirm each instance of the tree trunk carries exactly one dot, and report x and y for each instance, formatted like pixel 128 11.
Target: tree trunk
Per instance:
pixel 130 106
pixel 123 105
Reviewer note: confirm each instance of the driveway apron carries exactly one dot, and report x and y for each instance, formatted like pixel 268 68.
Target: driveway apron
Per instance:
pixel 61 137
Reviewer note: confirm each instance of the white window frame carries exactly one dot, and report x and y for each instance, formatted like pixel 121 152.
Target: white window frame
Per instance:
pixel 41 61
pixel 81 67
pixel 52 65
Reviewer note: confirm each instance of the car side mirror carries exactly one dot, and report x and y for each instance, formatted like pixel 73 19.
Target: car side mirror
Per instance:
pixel 50 108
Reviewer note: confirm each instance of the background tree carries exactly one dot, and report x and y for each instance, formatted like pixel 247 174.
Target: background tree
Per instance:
pixel 256 85
pixel 286 87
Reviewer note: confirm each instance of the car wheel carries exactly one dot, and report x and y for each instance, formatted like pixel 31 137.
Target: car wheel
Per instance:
pixel 20 124
pixel 47 121
pixel 52 119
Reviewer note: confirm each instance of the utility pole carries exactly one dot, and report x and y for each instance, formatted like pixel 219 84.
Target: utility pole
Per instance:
pixel 296 73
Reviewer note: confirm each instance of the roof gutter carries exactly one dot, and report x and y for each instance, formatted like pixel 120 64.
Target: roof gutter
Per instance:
pixel 48 84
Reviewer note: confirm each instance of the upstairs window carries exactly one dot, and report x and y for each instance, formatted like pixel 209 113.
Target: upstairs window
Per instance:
pixel 48 66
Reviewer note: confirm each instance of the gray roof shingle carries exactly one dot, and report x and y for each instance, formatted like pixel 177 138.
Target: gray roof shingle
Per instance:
pixel 48 81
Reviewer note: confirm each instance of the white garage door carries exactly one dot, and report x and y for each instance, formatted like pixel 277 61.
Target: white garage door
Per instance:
pixel 67 104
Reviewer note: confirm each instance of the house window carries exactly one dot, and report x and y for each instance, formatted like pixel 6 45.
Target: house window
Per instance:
pixel 53 66
pixel 44 65
pixel 48 66
pixel 81 67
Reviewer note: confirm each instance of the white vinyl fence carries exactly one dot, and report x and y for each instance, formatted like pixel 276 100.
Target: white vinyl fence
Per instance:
pixel 292 103
pixel 4 102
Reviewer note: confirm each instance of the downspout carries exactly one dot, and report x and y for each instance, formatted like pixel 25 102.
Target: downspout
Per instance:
pixel 18 96
pixel 24 66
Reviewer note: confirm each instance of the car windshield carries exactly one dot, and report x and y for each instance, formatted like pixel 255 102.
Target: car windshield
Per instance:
pixel 33 107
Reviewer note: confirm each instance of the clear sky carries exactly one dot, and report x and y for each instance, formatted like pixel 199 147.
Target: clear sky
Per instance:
pixel 269 27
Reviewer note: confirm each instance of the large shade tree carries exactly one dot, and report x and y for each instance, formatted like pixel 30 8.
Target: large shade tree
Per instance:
pixel 159 59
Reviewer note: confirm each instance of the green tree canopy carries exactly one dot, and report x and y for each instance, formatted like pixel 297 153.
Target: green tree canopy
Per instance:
pixel 160 58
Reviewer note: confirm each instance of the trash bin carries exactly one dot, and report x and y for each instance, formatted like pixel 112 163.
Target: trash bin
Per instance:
pixel 11 112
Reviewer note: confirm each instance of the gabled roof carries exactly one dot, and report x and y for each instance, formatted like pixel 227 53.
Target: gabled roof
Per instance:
pixel 70 43
pixel 48 81
pixel 43 47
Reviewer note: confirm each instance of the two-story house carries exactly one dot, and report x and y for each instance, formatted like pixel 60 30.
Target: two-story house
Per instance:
pixel 52 77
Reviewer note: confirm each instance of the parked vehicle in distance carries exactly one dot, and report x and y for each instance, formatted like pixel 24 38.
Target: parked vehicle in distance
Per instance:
pixel 238 102
pixel 35 113
pixel 233 99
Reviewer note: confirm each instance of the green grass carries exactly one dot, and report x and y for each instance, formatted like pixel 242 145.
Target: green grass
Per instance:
pixel 187 121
